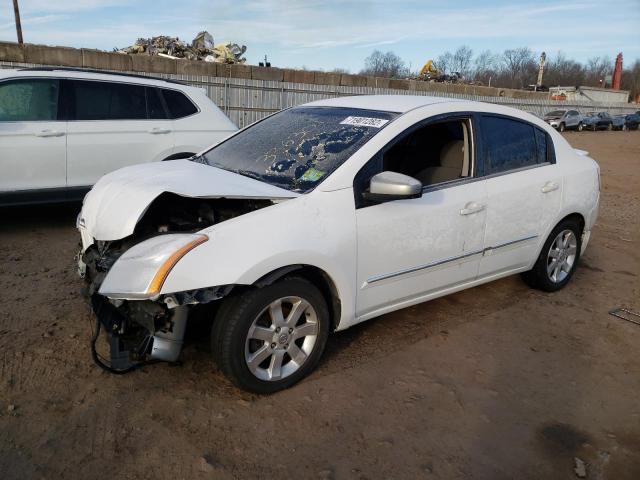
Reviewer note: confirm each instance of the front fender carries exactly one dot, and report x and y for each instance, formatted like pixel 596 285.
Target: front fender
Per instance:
pixel 317 229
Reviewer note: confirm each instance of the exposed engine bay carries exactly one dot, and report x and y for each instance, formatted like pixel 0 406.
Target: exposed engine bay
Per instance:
pixel 144 331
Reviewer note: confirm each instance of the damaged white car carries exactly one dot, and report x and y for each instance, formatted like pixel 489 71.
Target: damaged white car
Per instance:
pixel 322 216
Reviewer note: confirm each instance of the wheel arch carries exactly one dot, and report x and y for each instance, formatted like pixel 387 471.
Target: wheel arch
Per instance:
pixel 575 215
pixel 179 155
pixel 316 276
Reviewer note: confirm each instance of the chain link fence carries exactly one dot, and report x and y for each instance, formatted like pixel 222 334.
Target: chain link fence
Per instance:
pixel 246 101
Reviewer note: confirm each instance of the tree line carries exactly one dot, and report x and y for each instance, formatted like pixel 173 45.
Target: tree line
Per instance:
pixel 513 68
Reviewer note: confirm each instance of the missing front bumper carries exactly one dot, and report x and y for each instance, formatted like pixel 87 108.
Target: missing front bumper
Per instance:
pixel 138 334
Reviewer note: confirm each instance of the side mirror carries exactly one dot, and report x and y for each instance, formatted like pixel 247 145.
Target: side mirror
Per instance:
pixel 387 186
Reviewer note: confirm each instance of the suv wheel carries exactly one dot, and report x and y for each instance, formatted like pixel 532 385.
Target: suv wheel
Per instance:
pixel 269 338
pixel 558 259
pixel 580 127
pixel 561 127
pixel 610 127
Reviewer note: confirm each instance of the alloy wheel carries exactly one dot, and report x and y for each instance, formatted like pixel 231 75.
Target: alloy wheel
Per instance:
pixel 562 256
pixel 281 338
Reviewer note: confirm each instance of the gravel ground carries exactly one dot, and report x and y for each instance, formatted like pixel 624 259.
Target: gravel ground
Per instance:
pixel 498 381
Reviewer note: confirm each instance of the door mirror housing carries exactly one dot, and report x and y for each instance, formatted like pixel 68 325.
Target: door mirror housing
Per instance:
pixel 387 186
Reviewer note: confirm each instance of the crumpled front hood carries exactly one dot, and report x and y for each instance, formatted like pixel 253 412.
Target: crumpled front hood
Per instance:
pixel 118 200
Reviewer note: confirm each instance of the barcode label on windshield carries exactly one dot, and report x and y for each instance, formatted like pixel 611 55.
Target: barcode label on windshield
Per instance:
pixel 364 122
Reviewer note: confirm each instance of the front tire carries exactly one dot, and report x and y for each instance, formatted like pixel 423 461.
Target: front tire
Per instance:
pixel 561 127
pixel 269 338
pixel 610 127
pixel 580 127
pixel 558 259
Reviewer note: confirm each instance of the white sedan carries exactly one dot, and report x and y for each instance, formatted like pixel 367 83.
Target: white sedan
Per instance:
pixel 325 215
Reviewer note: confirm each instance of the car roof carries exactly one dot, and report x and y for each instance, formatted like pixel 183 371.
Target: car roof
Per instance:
pixel 387 103
pixel 78 73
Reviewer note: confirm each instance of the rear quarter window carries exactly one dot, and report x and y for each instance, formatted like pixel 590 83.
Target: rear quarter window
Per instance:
pixel 178 104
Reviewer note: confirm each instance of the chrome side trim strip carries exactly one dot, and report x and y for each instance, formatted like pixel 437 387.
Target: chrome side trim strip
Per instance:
pixel 385 276
pixel 511 242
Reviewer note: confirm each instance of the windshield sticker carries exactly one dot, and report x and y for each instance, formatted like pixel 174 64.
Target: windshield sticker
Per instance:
pixel 312 175
pixel 365 122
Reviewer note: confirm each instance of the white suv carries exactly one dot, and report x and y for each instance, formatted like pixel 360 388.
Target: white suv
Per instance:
pixel 62 129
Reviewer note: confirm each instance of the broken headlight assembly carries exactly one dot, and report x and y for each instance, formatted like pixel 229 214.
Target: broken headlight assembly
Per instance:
pixel 139 329
pixel 140 272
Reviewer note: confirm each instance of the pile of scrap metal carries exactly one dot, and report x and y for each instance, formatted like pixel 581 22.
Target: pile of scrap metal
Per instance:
pixel 201 48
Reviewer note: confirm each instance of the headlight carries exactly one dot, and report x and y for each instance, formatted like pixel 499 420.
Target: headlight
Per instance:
pixel 141 271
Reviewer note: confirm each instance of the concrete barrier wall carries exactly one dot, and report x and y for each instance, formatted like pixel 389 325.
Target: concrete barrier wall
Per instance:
pixel 87 58
pixel 247 94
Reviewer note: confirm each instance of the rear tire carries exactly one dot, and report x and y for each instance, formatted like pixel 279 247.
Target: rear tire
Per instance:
pixel 580 127
pixel 269 338
pixel 558 259
pixel 610 127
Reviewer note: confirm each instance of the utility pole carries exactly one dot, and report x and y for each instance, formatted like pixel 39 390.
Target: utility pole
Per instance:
pixel 16 12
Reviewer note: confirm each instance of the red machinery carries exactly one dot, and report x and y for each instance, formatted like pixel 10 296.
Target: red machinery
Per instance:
pixel 617 73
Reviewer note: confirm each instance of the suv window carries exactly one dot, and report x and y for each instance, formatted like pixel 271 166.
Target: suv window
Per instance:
pixel 178 104
pixel 508 144
pixel 108 101
pixel 29 100
pixel 155 109
pixel 435 153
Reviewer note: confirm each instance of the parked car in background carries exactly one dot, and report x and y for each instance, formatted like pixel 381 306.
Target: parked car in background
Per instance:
pixel 62 129
pixel 564 120
pixel 618 122
pixel 590 121
pixel 259 234
pixel 604 121
pixel 632 121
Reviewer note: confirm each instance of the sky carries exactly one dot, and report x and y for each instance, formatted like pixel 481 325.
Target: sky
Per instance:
pixel 328 34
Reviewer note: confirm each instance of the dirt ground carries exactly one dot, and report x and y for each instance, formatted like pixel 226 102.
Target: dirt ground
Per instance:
pixel 499 381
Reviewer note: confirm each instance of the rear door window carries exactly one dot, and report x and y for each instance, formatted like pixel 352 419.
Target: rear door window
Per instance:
pixel 155 109
pixel 508 144
pixel 178 104
pixel 29 100
pixel 108 101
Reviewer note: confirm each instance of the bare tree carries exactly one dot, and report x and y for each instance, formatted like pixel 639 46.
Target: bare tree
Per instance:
pixel 563 71
pixel 485 67
pixel 519 64
pixel 461 61
pixel 380 64
pixel 631 80
pixel 596 69
pixel 444 62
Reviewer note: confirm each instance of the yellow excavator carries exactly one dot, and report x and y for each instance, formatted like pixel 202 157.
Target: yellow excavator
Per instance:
pixel 429 71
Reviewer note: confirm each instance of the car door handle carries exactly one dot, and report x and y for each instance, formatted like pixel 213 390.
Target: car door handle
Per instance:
pixel 49 133
pixel 157 130
pixel 549 187
pixel 472 207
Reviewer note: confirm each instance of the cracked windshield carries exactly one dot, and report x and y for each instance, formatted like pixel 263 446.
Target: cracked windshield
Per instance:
pixel 297 148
